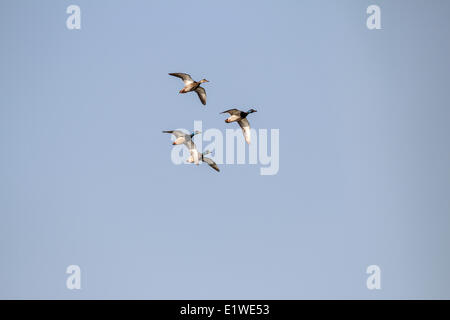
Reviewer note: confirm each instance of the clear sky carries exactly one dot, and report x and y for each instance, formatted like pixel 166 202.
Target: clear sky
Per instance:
pixel 86 177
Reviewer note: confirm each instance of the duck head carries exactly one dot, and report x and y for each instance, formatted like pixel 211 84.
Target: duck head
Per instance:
pixel 206 152
pixel 195 132
pixel 203 80
pixel 251 111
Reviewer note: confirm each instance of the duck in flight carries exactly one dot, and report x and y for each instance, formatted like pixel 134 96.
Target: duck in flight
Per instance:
pixel 209 161
pixel 241 118
pixel 191 85
pixel 186 139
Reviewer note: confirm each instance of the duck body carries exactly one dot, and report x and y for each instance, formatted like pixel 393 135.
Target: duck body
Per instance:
pixel 240 117
pixel 190 85
pixel 235 115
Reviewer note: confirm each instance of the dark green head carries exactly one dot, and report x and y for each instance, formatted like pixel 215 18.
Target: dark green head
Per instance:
pixel 194 133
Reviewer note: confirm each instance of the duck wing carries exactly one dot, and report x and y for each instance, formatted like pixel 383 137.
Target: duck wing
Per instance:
pixel 183 76
pixel 245 126
pixel 176 133
pixel 211 163
pixel 233 112
pixel 201 92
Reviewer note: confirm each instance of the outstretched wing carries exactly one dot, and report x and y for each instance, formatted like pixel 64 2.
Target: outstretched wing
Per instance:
pixel 233 112
pixel 183 76
pixel 211 163
pixel 201 94
pixel 176 133
pixel 245 126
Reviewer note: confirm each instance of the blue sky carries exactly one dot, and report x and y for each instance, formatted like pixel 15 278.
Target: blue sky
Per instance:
pixel 86 176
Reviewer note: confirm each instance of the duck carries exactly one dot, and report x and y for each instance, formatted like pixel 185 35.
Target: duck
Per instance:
pixel 186 139
pixel 209 161
pixel 241 118
pixel 191 85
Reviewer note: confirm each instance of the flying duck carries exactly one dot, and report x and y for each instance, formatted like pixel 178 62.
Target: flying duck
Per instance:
pixel 241 118
pixel 209 161
pixel 191 85
pixel 186 139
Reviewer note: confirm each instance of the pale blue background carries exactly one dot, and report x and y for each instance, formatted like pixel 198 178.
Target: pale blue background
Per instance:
pixel 86 176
